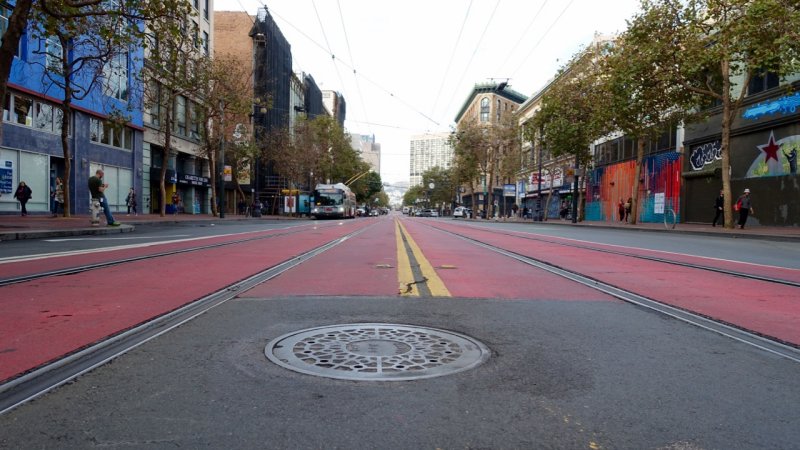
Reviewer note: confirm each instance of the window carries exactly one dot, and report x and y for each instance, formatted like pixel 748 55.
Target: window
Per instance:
pixel 205 10
pixel 484 110
pixel 109 133
pixel 498 110
pixel 54 52
pixel 116 76
pixel 180 115
pixel 195 122
pixel 205 42
pixel 154 109
pixel 23 111
pixel 43 117
pixel 196 36
pixel 196 4
pixel 761 81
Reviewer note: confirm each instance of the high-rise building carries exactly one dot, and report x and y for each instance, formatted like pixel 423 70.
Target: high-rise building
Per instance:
pixel 428 151
pixel 369 150
pixel 335 104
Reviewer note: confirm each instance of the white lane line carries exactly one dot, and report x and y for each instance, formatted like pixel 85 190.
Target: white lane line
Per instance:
pixel 15 259
pixel 627 247
pixel 100 238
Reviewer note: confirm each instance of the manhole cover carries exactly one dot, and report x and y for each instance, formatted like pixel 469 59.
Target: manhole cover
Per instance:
pixel 376 352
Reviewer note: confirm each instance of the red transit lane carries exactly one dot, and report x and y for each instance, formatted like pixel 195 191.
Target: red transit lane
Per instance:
pixel 765 308
pixel 363 265
pixel 45 319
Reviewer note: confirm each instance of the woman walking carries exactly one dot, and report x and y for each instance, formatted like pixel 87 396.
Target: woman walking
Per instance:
pixel 58 196
pixel 130 200
pixel 23 194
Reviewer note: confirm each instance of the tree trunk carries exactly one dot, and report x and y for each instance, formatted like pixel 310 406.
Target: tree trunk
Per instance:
pixel 725 144
pixel 637 175
pixel 10 42
pixel 65 121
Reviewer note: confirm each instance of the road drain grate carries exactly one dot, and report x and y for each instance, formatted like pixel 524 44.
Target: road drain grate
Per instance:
pixel 376 352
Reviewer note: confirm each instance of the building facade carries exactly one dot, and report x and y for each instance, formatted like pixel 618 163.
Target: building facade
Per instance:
pixel 428 151
pixel 31 148
pixel 187 168
pixel 368 149
pixel 489 104
pixel 336 106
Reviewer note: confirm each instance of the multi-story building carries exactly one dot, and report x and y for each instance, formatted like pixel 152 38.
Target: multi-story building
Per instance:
pixel 336 106
pixel 187 168
pixel 428 151
pixel 31 149
pixel 488 105
pixel 368 149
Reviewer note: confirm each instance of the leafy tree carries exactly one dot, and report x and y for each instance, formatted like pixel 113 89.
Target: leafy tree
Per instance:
pixel 712 48
pixel 466 142
pixel 176 75
pixel 573 111
pixel 223 110
pixel 367 186
pixel 94 39
pixel 641 99
pixel 413 194
pixel 443 186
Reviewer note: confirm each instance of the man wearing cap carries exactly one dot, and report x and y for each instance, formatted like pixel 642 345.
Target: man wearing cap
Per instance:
pixel 745 207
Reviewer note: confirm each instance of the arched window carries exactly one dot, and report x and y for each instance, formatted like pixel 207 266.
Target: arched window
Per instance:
pixel 484 109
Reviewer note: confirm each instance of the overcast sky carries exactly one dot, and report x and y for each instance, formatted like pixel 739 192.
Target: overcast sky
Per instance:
pixel 406 67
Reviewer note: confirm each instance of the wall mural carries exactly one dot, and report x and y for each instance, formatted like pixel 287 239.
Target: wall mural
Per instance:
pixel 661 174
pixel 777 158
pixel 705 154
pixel 787 104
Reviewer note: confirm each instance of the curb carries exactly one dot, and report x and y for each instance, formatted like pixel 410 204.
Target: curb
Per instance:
pixel 41 234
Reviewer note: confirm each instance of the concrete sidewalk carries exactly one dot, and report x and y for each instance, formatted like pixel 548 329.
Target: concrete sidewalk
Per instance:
pixel 13 227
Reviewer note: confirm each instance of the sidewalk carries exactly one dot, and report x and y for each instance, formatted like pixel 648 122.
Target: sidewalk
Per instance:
pixel 781 234
pixel 13 227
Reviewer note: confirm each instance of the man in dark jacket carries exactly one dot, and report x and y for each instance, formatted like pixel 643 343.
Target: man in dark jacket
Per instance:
pixel 96 188
pixel 719 206
pixel 745 207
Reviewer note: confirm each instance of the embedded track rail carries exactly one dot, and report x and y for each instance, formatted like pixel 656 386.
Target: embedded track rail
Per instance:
pixel 50 376
pixel 120 261
pixel 636 255
pixel 765 343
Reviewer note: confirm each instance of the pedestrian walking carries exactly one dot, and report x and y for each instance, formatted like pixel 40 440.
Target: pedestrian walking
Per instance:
pixel 58 196
pixel 176 200
pixel 628 206
pixel 621 210
pixel 130 201
pixel 99 200
pixel 745 207
pixel 719 205
pixel 23 194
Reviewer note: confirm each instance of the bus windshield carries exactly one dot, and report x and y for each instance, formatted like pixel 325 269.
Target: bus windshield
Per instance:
pixel 325 199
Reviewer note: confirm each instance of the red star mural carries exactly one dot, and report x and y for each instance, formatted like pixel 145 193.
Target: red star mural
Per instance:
pixel 770 149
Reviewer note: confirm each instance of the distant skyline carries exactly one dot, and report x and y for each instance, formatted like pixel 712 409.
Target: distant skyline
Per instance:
pixel 406 68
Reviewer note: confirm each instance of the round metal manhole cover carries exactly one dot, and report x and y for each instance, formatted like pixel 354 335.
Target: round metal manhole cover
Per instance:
pixel 376 352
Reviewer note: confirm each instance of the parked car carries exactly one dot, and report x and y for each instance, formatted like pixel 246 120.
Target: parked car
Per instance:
pixel 433 213
pixel 462 212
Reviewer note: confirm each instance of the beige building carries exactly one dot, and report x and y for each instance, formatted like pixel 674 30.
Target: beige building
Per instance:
pixel 428 151
pixel 368 149
pixel 187 168
pixel 489 104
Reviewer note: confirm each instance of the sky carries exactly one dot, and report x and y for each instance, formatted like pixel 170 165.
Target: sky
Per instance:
pixel 406 67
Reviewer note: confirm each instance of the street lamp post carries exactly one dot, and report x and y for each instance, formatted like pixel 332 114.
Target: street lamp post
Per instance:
pixel 539 190
pixel 221 161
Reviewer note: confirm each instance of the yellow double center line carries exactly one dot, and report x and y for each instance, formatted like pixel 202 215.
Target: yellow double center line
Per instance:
pixel 416 275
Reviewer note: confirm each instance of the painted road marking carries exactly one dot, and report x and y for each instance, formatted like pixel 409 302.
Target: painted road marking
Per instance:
pixel 98 238
pixel 404 274
pixel 433 282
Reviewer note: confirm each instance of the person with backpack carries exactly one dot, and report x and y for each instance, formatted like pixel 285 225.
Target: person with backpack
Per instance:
pixel 130 201
pixel 719 204
pixel 745 207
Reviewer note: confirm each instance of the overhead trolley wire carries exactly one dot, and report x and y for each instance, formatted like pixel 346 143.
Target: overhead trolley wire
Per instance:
pixel 450 62
pixel 350 52
pixel 330 51
pixel 477 46
pixel 542 38
pixel 524 33
pixel 360 74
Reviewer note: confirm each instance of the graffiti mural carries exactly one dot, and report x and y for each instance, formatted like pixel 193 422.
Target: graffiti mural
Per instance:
pixel 776 158
pixel 705 154
pixel 784 105
pixel 661 174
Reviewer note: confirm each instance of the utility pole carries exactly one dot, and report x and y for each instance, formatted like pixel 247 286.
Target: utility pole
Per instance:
pixel 221 161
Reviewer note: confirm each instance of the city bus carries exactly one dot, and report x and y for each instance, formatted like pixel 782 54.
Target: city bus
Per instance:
pixel 333 201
